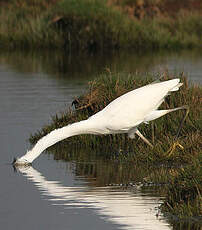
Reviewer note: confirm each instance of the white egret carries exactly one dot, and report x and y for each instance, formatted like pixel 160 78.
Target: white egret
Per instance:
pixel 123 115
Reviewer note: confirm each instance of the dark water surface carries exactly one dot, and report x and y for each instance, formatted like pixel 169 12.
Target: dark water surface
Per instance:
pixel 51 195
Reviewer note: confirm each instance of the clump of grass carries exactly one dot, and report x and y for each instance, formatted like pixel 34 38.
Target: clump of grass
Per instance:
pixel 183 198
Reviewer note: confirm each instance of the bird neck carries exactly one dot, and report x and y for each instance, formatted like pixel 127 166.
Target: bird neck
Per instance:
pixel 82 127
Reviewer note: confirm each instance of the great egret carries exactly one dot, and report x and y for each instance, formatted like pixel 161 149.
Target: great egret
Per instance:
pixel 123 115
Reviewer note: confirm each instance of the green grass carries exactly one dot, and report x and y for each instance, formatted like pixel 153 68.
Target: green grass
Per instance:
pixel 93 25
pixel 183 198
pixel 19 29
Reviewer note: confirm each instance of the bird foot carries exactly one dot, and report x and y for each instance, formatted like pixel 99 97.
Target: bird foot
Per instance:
pixel 173 147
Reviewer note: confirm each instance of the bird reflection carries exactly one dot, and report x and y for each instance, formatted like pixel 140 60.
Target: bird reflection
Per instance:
pixel 131 210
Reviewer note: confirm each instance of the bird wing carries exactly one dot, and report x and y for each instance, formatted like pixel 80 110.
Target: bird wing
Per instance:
pixel 130 109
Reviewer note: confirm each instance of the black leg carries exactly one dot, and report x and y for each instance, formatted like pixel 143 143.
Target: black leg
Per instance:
pixel 182 121
pixel 176 143
pixel 152 129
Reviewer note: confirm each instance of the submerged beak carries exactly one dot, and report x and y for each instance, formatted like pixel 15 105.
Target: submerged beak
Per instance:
pixel 17 162
pixel 14 161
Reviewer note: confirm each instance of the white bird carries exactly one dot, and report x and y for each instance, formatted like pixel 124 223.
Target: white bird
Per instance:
pixel 123 115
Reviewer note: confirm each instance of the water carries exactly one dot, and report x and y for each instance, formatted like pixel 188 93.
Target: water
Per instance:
pixel 58 194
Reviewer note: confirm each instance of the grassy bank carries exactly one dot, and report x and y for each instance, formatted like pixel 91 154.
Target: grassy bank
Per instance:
pixel 183 181
pixel 100 25
pixel 183 196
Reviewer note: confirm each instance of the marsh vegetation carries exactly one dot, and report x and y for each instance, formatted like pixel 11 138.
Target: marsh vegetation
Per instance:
pixel 101 25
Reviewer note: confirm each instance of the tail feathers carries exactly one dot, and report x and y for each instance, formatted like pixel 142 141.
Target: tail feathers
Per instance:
pixel 176 88
pixel 159 113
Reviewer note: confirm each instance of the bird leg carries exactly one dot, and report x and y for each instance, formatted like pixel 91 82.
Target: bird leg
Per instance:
pixel 176 143
pixel 152 129
pixel 143 138
pixel 134 130
pixel 182 121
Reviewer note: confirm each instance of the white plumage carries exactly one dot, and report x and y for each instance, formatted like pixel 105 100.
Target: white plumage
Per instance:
pixel 123 115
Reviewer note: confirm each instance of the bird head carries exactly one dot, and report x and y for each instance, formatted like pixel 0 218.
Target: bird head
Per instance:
pixel 20 162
